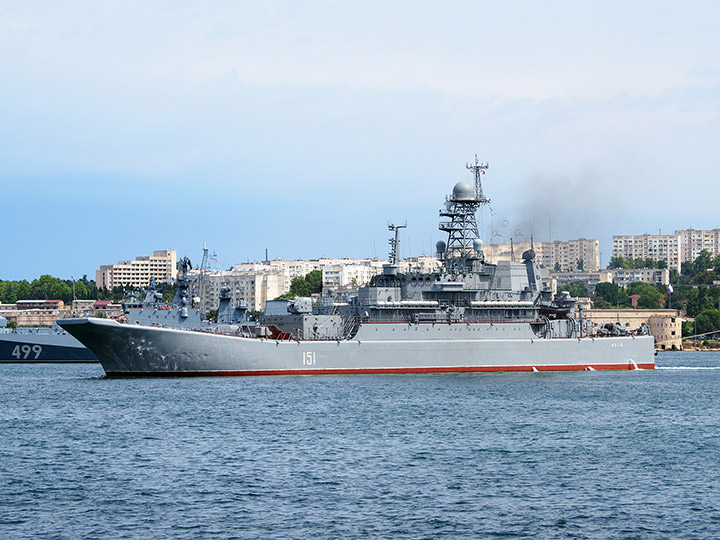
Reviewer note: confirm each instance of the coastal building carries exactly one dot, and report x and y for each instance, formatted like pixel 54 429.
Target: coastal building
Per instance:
pixel 162 265
pixel 46 312
pixel 693 242
pixel 625 276
pixel 35 312
pixel 658 247
pixel 567 256
pixel 349 274
pixel 337 276
pixel 683 246
pixel 558 279
pixel 248 288
pixel 297 268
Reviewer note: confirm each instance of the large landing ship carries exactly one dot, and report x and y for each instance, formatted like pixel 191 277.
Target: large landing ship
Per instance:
pixel 468 316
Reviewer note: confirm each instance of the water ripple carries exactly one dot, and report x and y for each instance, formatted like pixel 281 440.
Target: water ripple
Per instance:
pixel 587 456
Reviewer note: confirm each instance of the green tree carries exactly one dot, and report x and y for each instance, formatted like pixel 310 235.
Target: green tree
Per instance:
pixel 650 296
pixel 611 295
pixel 688 328
pixel 577 289
pixel 708 321
pixel 580 265
pixel 299 287
pixel 314 281
pixel 305 286
pixel 618 262
pixel 706 277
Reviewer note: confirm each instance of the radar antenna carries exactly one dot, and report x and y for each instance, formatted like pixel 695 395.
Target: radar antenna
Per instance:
pixel 395 241
pixel 478 170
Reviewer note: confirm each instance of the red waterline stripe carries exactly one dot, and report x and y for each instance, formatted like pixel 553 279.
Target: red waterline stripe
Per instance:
pixel 368 371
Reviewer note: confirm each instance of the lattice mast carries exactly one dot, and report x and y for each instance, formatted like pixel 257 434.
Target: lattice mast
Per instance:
pixel 460 210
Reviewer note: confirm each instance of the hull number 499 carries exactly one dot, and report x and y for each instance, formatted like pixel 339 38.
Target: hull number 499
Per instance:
pixel 23 352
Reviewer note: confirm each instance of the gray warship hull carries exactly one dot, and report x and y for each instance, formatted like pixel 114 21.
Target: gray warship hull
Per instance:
pixel 42 346
pixel 465 315
pixel 133 350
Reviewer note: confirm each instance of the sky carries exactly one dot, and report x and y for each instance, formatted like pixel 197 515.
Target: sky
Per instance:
pixel 304 128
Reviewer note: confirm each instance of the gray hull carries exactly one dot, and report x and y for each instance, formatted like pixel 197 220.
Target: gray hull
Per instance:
pixel 376 348
pixel 42 346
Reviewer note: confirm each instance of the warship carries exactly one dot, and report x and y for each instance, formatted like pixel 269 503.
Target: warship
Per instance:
pixel 40 345
pixel 467 316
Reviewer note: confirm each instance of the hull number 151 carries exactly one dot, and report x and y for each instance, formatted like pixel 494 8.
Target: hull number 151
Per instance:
pixel 308 358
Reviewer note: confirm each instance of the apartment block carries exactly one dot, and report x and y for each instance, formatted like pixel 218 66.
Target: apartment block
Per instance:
pixel 569 256
pixel 162 265
pixel 693 242
pixel 248 288
pixel 659 247
pixel 625 276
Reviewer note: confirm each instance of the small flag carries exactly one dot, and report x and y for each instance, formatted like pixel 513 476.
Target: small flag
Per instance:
pixel 670 289
pixel 214 259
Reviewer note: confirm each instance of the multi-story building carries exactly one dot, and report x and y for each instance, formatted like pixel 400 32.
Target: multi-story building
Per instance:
pixel 162 265
pixel 571 256
pixel 625 276
pixel 250 289
pixel 694 241
pixel 338 276
pixel 658 247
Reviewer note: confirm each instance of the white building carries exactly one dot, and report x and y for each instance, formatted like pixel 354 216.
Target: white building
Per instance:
pixel 658 247
pixel 162 265
pixel 569 256
pixel 693 242
pixel 250 289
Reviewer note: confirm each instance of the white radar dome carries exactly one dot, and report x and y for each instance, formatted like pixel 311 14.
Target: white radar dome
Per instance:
pixel 477 244
pixel 463 191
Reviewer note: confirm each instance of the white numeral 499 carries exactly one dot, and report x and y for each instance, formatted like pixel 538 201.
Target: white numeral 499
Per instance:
pixel 22 352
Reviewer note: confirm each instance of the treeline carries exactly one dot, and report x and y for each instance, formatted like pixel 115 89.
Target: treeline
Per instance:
pixel 693 299
pixel 702 271
pixel 699 301
pixel 47 287
pixel 609 295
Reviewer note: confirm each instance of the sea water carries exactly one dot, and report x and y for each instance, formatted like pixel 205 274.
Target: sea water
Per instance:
pixel 626 455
